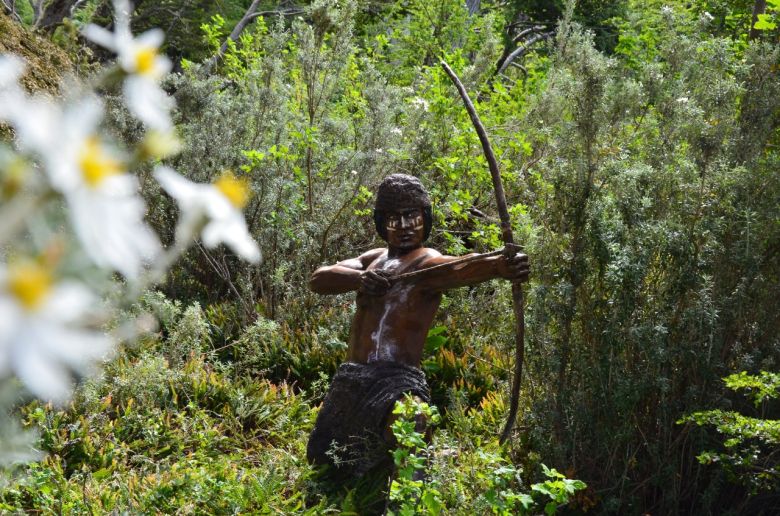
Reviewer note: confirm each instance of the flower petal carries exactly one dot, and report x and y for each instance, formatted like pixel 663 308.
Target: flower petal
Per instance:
pixel 11 69
pixel 101 36
pixel 38 372
pixel 151 38
pixel 68 302
pixel 232 232
pixel 148 102
pixel 176 185
pixel 112 230
pixel 9 319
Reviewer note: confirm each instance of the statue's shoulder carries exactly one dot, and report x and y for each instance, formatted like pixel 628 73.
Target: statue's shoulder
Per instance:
pixel 430 252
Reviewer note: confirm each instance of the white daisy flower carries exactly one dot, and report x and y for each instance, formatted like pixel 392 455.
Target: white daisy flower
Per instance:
pixel 140 59
pixel 213 210
pixel 104 206
pixel 41 339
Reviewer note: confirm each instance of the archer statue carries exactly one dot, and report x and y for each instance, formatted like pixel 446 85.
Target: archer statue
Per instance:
pixel 399 289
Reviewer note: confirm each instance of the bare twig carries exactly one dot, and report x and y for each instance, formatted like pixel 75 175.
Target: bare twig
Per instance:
pixel 525 32
pixel 223 271
pixel 75 6
pixel 522 49
pixel 11 8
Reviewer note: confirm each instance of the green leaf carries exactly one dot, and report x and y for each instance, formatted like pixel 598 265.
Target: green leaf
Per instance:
pixel 526 500
pixel 433 343
pixel 432 502
pixel 436 330
pixel 101 474
pixel 764 22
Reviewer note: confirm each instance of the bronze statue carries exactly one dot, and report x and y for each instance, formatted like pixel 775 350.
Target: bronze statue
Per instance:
pixel 390 325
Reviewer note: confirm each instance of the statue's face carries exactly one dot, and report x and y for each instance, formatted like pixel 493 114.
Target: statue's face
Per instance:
pixel 405 228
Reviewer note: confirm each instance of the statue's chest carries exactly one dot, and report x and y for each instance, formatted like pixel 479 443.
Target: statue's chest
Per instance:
pixel 398 265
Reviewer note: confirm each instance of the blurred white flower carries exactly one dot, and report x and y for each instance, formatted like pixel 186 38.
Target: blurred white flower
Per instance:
pixel 213 210
pixel 140 59
pixel 42 338
pixel 11 69
pixel 104 206
pixel 396 130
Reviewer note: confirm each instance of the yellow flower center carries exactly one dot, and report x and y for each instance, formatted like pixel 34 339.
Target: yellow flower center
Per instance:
pixel 235 189
pixel 96 164
pixel 144 60
pixel 30 283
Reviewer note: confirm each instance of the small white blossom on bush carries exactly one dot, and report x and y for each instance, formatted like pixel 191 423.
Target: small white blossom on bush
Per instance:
pixel 213 210
pixel 42 338
pixel 420 103
pixel 141 60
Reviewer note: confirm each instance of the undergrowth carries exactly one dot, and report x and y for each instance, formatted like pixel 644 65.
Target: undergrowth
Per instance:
pixel 210 435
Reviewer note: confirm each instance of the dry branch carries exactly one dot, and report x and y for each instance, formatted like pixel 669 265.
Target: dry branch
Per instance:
pixel 249 16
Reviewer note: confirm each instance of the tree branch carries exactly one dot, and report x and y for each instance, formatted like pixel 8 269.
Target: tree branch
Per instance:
pixel 11 8
pixel 521 50
pixel 249 16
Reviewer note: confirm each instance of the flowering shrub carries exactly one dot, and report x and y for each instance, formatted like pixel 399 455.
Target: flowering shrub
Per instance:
pixel 76 250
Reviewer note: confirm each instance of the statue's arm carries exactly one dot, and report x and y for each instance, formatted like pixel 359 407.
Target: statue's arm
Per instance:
pixel 344 276
pixel 473 272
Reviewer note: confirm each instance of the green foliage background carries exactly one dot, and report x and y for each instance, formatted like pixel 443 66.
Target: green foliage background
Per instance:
pixel 639 150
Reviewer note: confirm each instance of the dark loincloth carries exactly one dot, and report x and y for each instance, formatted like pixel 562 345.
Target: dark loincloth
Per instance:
pixel 352 421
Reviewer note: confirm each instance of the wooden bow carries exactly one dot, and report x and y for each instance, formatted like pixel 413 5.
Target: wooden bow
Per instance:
pixel 510 248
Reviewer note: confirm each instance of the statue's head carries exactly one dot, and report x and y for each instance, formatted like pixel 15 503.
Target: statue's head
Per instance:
pixel 399 195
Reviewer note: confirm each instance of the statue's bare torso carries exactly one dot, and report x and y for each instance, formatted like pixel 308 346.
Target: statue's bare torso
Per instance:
pixel 393 327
